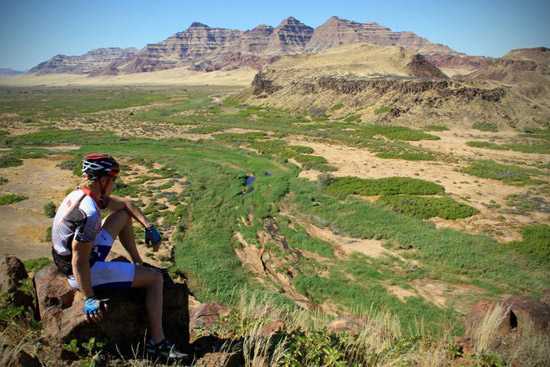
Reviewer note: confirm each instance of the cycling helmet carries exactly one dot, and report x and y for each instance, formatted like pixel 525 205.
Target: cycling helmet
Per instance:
pixel 96 165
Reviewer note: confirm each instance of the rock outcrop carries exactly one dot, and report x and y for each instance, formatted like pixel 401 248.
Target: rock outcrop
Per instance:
pixel 520 315
pixel 420 67
pixel 124 324
pixel 12 273
pixel 337 31
pixel 91 62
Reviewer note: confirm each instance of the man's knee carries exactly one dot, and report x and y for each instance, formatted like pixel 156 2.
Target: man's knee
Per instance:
pixel 148 276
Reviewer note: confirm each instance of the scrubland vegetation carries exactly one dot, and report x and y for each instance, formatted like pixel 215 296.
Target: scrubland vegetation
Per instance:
pixel 211 218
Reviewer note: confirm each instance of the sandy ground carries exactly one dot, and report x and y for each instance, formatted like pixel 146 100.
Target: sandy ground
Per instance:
pixel 24 224
pixel 477 192
pixel 177 76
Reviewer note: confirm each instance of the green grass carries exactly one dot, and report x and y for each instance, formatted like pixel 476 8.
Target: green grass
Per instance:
pixel 344 186
pixel 6 199
pixel 210 211
pixel 34 265
pixel 381 110
pixel 537 133
pixel 535 243
pixel 10 160
pixel 518 147
pixel 441 251
pixel 73 101
pixel 509 174
pixel 49 209
pixel 428 207
pixel 436 128
pixel 528 202
pixel 485 126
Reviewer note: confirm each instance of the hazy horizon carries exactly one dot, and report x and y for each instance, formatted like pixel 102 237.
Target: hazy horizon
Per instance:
pixel 45 29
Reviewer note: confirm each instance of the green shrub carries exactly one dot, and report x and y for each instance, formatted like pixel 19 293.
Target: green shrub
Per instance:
pixel 518 147
pixel 49 209
pixel 507 173
pixel 428 207
pixel 436 128
pixel 344 186
pixel 48 234
pixel 314 162
pixel 9 160
pixel 485 126
pixel 10 198
pixel 34 265
pixel 535 243
pixel 3 180
pixel 382 109
pixel 337 106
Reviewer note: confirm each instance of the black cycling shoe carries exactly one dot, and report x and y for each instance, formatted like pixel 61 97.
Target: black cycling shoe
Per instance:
pixel 165 350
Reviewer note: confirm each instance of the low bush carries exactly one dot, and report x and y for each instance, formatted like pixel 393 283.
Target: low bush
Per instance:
pixel 49 209
pixel 3 180
pixel 34 265
pixel 436 128
pixel 518 147
pixel 9 160
pixel 344 186
pixel 314 162
pixel 535 243
pixel 10 198
pixel 507 173
pixel 382 109
pixel 428 207
pixel 485 126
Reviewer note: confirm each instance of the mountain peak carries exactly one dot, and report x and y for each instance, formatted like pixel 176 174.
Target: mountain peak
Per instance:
pixel 198 25
pixel 290 21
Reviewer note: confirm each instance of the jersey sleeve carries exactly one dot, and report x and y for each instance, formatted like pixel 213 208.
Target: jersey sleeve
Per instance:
pixel 87 228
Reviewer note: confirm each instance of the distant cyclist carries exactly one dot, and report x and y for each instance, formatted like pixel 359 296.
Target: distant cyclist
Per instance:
pixel 81 243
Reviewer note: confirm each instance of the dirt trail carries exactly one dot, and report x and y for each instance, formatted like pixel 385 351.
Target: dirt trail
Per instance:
pixel 483 194
pixel 24 224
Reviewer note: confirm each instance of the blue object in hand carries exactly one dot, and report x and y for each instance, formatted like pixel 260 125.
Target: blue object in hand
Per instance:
pixel 152 236
pixel 92 305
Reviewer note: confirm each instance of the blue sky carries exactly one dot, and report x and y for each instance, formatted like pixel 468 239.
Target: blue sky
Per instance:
pixel 32 31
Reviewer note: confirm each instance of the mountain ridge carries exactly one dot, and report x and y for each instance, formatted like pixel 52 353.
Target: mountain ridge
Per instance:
pixel 205 48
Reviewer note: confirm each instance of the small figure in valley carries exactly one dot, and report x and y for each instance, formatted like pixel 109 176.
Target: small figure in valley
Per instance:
pixel 81 243
pixel 247 181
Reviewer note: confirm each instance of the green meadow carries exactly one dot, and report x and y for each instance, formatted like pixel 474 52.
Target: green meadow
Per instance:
pixel 212 208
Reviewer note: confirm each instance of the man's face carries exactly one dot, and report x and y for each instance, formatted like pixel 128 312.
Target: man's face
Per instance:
pixel 109 184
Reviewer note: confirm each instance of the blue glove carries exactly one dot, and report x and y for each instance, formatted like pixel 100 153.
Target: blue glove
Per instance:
pixel 93 305
pixel 152 236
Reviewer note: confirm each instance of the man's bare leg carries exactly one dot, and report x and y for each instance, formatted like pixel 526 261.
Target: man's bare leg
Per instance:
pixel 120 224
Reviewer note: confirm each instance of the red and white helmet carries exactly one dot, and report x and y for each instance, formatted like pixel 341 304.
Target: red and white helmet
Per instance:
pixel 96 165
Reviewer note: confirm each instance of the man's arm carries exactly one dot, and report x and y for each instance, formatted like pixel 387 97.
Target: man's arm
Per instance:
pixel 81 266
pixel 118 203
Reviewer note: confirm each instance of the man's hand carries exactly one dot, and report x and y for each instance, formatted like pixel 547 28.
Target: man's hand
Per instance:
pixel 152 237
pixel 94 308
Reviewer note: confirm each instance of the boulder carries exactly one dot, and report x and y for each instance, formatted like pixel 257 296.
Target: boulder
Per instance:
pixel 220 359
pixel 124 325
pixel 16 357
pixel 521 314
pixel 207 314
pixel 345 325
pixel 12 272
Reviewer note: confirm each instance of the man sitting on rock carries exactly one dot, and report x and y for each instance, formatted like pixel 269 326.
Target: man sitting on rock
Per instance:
pixel 81 243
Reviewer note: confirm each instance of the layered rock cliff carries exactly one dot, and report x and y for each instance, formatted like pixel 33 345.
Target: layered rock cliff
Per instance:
pixel 201 47
pixel 91 62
